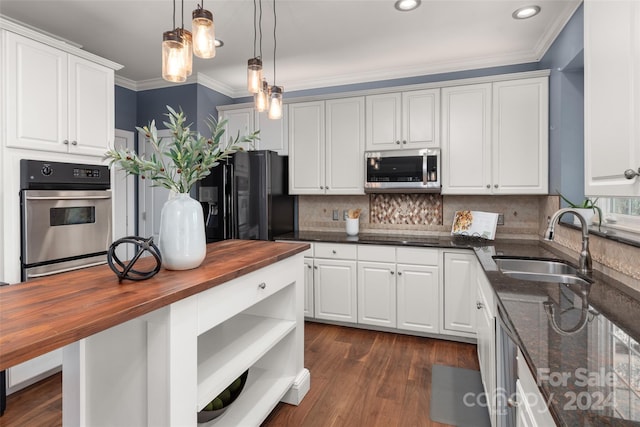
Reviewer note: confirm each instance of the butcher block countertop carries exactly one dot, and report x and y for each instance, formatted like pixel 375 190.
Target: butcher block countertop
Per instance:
pixel 48 313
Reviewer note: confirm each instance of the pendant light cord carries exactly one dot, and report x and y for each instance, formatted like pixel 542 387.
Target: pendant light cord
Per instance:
pixel 254 29
pixel 260 26
pixel 275 44
pixel 174 14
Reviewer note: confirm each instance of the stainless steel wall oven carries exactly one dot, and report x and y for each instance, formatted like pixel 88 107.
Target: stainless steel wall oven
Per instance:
pixel 66 217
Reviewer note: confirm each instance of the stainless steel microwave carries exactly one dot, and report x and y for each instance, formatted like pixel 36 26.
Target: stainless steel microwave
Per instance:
pixel 402 171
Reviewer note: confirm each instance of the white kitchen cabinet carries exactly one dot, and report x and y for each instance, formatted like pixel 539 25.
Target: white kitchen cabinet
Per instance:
pixel 611 97
pixel 377 293
pixel 418 289
pixel 459 292
pixel 240 122
pixel 246 120
pixel 334 280
pixel 486 336
pixel 495 138
pixel 532 409
pixel 403 120
pixel 273 134
pixel 327 156
pixel 466 139
pixel 520 141
pixel 56 101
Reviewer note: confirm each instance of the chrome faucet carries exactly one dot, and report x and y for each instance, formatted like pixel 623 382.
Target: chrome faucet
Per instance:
pixel 584 262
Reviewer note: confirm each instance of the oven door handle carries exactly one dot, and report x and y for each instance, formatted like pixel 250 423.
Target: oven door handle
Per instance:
pixel 66 197
pixel 64 270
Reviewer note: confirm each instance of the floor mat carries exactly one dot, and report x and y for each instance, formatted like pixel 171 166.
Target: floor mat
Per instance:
pixel 457 397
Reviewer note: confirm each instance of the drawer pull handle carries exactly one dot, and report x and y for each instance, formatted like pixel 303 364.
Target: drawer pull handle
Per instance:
pixel 262 285
pixel 308 265
pixel 65 142
pixel 399 273
pixel 512 402
pixel 630 173
pixel 392 272
pixel 333 251
pixel 479 305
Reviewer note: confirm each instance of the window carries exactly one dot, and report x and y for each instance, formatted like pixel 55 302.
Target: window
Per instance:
pixel 621 212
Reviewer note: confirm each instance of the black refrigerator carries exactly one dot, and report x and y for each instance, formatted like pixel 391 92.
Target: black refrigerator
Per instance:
pixel 247 197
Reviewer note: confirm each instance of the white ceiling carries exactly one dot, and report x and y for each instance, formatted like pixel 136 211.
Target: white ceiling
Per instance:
pixel 319 42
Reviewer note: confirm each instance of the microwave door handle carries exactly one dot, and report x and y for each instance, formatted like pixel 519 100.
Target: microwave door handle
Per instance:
pixel 424 169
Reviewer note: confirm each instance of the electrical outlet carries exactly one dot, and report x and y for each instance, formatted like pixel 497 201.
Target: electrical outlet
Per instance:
pixel 336 214
pixel 345 215
pixel 500 219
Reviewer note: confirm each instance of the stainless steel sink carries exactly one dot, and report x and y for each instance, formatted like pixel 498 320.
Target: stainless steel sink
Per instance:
pixel 540 270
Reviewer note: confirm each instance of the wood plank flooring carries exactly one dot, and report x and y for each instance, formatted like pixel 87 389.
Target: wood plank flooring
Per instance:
pixel 358 378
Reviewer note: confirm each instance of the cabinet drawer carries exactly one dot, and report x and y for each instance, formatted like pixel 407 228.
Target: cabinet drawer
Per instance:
pixel 376 253
pixel 335 251
pixel 245 291
pixel 418 256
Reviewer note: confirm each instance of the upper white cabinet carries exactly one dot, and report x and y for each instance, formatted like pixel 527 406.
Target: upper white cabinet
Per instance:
pixel 326 149
pixel 403 120
pixel 520 140
pixel 495 138
pixel 611 97
pixel 243 121
pixel 56 101
pixel 466 139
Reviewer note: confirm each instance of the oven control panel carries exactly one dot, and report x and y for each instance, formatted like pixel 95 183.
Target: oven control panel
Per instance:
pixel 44 175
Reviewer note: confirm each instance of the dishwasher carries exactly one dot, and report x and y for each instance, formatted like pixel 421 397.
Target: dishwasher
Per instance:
pixel 507 373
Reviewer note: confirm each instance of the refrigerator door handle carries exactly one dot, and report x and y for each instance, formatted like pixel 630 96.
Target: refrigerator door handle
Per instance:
pixel 233 219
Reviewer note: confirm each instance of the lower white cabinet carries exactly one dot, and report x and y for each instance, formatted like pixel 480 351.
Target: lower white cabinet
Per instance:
pixel 308 287
pixel 418 298
pixel 334 282
pixel 532 409
pixel 486 336
pixel 377 293
pixel 459 292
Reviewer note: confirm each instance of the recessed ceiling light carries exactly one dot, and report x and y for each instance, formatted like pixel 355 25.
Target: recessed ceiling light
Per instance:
pixel 407 5
pixel 526 12
pixel 218 42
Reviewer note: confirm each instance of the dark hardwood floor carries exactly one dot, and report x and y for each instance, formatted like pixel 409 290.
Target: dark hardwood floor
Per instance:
pixel 358 378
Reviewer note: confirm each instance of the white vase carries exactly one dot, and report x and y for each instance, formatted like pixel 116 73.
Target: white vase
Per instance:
pixel 586 213
pixel 353 225
pixel 182 241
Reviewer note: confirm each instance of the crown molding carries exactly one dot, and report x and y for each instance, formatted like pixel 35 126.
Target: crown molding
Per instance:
pixel 126 83
pixel 219 87
pixel 160 83
pixel 553 31
pixel 49 39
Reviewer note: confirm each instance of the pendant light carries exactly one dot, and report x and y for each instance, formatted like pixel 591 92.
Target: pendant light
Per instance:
pixel 174 61
pixel 275 103
pixel 254 65
pixel 261 99
pixel 204 38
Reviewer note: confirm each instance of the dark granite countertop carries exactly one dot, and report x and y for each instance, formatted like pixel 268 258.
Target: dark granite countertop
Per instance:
pixel 591 376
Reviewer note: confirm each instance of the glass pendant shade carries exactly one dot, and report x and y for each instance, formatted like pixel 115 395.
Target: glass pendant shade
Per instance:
pixel 173 67
pixel 254 75
pixel 187 50
pixel 262 97
pixel 204 38
pixel 275 105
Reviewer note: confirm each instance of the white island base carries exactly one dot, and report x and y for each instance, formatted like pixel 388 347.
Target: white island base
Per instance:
pixel 160 369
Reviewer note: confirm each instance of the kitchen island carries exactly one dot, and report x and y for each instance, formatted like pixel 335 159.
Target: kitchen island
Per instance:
pixel 157 351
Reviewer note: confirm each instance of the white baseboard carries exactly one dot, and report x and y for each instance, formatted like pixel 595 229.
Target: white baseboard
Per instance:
pixel 299 389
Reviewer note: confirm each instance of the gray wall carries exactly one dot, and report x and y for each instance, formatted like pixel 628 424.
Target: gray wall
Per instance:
pixel 566 110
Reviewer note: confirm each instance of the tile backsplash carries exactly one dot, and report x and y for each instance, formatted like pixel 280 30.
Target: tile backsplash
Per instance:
pixel 525 217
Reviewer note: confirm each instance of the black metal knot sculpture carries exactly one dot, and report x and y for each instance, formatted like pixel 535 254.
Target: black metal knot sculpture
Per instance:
pixel 126 271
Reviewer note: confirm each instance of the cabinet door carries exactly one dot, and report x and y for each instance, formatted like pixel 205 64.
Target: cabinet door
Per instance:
pixel 306 148
pixel 273 133
pixel 520 142
pixel 532 406
pixel 418 298
pixel 611 97
pixel 466 139
pixel 345 146
pixel 384 121
pixel 459 293
pixel 421 118
pixel 239 122
pixel 485 334
pixel 377 294
pixel 35 107
pixel 335 290
pixel 308 287
pixel 91 107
